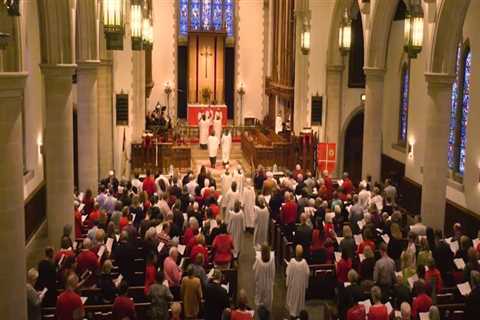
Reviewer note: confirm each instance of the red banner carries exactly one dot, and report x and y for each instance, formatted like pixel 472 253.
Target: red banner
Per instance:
pixel 327 156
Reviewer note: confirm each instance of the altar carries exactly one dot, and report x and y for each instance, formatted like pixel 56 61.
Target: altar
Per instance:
pixel 194 109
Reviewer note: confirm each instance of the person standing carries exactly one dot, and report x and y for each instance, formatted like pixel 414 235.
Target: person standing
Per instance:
pixel 298 273
pixel 239 178
pixel 34 298
pixel 226 146
pixel 261 221
pixel 249 203
pixel 69 304
pixel 226 180
pixel 213 148
pixel 159 296
pixel 216 298
pixel 264 270
pixel 123 306
pixel 236 227
pixel 204 123
pixel 217 125
pixel 191 293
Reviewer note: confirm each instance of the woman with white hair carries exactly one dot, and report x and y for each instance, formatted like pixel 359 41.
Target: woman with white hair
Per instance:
pixel 34 298
pixel 248 200
pixel 261 221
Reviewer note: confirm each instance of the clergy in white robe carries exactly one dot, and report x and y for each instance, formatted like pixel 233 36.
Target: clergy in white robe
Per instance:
pixel 226 181
pixel 248 197
pixel 226 146
pixel 217 125
pixel 264 271
pixel 236 227
pixel 261 222
pixel 212 148
pixel 204 123
pixel 229 200
pixel 298 273
pixel 239 178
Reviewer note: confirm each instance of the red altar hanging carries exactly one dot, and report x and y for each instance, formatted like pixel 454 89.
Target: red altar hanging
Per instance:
pixel 194 109
pixel 326 156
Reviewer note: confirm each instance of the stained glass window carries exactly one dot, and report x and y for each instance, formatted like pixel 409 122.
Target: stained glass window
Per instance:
pixel 460 107
pixel 206 15
pixel 403 117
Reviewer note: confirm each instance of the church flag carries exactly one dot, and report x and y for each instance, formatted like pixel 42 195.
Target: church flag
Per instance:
pixel 326 156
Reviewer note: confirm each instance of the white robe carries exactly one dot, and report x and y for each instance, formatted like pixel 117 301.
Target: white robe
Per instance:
pixel 297 284
pixel 226 147
pixel 212 146
pixel 203 127
pixel 261 222
pixel 217 126
pixel 264 280
pixel 248 198
pixel 236 227
pixel 226 181
pixel 229 201
pixel 239 178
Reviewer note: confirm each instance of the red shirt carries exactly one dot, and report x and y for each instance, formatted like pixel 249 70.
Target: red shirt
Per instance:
pixel 215 210
pixel 196 249
pixel 434 273
pixel 289 212
pixel 240 315
pixel 357 312
pixel 123 307
pixel 150 275
pixel 67 303
pixel 87 260
pixel 189 235
pixel 343 266
pixel 149 186
pixel 365 243
pixel 123 223
pixel 65 253
pixel 94 216
pixel 78 224
pixel 378 312
pixel 223 244
pixel 421 303
pixel 347 186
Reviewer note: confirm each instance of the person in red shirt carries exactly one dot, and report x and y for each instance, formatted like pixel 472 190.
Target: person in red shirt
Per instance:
pixel 123 306
pixel 214 210
pixel 242 312
pixel 149 185
pixel 343 266
pixel 94 215
pixel 422 302
pixel 328 185
pixel 367 236
pixel 65 252
pixel 347 184
pixel 87 261
pixel 78 221
pixel 289 214
pixel 69 305
pixel 222 247
pixel 433 274
pixel 190 233
pixel 123 219
pixel 378 311
pixel 357 311
pixel 150 273
pixel 199 248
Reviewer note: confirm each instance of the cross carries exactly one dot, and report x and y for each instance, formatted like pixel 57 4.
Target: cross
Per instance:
pixel 207 54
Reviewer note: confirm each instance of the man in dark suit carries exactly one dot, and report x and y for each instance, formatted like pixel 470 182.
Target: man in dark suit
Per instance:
pixel 124 256
pixel 303 235
pixel 216 298
pixel 472 303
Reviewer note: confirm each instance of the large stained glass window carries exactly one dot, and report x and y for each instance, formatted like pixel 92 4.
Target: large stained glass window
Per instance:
pixel 403 116
pixel 460 107
pixel 206 15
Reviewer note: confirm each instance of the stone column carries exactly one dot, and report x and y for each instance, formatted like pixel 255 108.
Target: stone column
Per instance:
pixel 138 62
pixel 435 163
pixel 12 218
pixel 372 126
pixel 105 118
pixel 333 111
pixel 58 148
pixel 87 106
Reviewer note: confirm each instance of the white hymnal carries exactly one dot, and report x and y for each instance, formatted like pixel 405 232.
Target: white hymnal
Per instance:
pixel 181 249
pixel 159 228
pixel 386 238
pixel 338 256
pixel 361 256
pixel 398 314
pixel 252 313
pixel 160 246
pixel 165 283
pixel 75 244
pixel 367 304
pixel 389 307
pixel 358 239
pixel 459 263
pixel 464 288
pixel 84 299
pixel 61 260
pixel 42 293
pixel 80 207
pixel 210 274
pixel 182 262
pixel 339 239
pixel 109 244
pixel 476 242
pixel 176 239
pixel 185 216
pixel 454 246
pixel 213 224
pixel 117 281
pixel 117 237
pixel 85 274
pixel 84 217
pixel 347 284
pixel 226 287
pixel 424 316
pixel 412 280
pixel 361 224
pixel 398 274
pixel 100 252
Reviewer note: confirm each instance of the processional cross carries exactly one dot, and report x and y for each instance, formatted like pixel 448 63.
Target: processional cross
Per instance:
pixel 206 54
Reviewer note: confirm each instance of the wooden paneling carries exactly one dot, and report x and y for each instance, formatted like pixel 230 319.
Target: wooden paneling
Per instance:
pixel 410 195
pixel 35 210
pixel 469 219
pixel 159 159
pixel 393 169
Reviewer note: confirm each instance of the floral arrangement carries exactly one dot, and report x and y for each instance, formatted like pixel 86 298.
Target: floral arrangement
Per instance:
pixel 206 93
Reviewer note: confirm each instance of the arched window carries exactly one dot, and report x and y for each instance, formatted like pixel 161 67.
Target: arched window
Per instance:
pixel 403 113
pixel 460 107
pixel 206 15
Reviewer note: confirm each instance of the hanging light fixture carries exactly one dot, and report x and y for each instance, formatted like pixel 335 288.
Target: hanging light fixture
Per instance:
pixel 305 37
pixel 13 7
pixel 147 33
pixel 413 30
pixel 345 34
pixel 113 23
pixel 136 22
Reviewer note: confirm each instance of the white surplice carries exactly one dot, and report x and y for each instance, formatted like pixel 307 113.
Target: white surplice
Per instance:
pixel 249 205
pixel 229 201
pixel 212 146
pixel 264 280
pixel 239 178
pixel 297 284
pixel 217 125
pixel 226 147
pixel 261 221
pixel 226 182
pixel 203 127
pixel 236 227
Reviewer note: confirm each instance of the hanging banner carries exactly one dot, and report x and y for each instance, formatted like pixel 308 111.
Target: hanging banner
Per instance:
pixel 327 156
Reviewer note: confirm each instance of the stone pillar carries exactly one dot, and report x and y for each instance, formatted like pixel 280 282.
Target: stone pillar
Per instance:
pixel 12 218
pixel 435 164
pixel 333 111
pixel 138 59
pixel 58 148
pixel 87 125
pixel 372 126
pixel 105 118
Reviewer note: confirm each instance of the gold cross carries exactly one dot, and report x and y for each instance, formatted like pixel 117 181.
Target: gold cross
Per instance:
pixel 207 54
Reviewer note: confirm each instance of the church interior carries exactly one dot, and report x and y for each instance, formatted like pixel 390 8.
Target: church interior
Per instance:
pixel 153 153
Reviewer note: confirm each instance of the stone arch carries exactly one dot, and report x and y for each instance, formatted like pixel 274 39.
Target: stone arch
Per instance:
pixel 56 31
pixel 447 33
pixel 87 30
pixel 346 123
pixel 382 13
